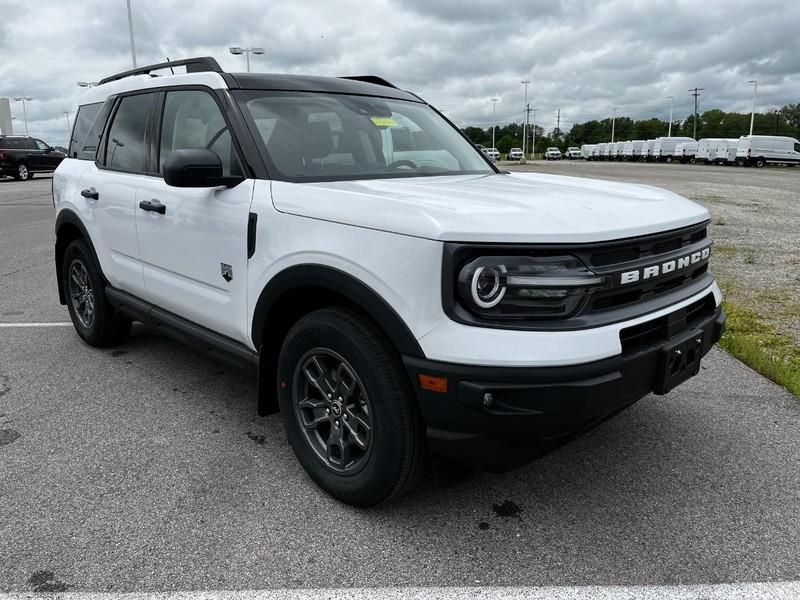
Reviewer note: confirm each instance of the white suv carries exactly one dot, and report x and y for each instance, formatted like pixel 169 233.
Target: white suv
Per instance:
pixel 398 296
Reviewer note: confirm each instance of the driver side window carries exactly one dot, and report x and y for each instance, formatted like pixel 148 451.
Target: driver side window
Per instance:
pixel 193 120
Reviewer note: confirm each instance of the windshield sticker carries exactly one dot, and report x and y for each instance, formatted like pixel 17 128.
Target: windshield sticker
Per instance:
pixel 384 122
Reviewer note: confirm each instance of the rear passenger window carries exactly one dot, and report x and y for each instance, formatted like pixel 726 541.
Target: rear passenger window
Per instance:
pixel 29 144
pixel 125 148
pixel 797 147
pixel 85 136
pixel 191 120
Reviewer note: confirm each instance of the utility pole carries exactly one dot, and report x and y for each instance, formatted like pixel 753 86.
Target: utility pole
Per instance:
pixel 613 122
pixel 528 110
pixel 130 32
pixel 558 122
pixel 524 82
pixel 696 93
pixel 671 100
pixel 69 128
pixel 533 143
pixel 494 120
pixel 753 112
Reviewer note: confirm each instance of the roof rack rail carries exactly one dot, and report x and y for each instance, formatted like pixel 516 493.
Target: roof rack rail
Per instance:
pixel 371 79
pixel 193 65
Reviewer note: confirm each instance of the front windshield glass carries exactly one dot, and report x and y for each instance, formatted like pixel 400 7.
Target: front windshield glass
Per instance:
pixel 323 137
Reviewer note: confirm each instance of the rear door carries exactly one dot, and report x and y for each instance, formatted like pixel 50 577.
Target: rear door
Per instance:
pixel 109 191
pixel 194 255
pixel 34 155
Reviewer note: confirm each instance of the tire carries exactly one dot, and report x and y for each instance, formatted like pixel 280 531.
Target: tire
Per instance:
pixel 95 320
pixel 759 162
pixel 23 174
pixel 340 351
pixel 668 159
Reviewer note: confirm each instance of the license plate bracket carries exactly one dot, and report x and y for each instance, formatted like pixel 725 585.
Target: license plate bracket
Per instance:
pixel 680 360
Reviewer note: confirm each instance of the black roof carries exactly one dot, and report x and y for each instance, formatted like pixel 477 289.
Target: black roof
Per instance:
pixel 308 83
pixel 365 85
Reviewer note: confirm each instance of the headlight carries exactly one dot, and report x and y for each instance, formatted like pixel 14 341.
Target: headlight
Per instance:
pixel 524 287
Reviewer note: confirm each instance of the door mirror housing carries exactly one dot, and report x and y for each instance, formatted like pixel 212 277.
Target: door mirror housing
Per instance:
pixel 48 149
pixel 196 168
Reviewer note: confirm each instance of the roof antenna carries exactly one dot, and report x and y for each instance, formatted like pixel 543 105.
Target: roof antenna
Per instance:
pixel 170 67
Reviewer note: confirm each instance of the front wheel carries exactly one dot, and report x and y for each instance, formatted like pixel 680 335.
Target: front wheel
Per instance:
pixel 23 173
pixel 92 315
pixel 348 410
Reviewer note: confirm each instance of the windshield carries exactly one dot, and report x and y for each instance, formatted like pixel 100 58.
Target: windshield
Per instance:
pixel 323 137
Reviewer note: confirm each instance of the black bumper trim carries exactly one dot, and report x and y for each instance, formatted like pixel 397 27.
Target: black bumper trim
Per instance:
pixel 535 409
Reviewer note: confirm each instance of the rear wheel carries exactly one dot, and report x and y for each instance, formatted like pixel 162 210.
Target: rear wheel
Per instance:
pixel 94 318
pixel 23 173
pixel 348 411
pixel 759 162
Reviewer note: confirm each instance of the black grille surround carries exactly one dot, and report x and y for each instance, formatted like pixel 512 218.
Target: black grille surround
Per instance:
pixel 617 302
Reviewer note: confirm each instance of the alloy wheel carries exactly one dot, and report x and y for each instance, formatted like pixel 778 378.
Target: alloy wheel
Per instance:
pixel 81 293
pixel 333 410
pixel 23 172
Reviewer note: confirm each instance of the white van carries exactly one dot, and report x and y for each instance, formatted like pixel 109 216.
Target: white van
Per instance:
pixel 602 151
pixel 686 151
pixel 707 150
pixel 616 151
pixel 587 151
pixel 726 151
pixel 647 149
pixel 632 150
pixel 664 148
pixel 759 150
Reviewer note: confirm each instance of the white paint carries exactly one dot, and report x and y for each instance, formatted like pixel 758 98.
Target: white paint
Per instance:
pixel 20 325
pixel 728 591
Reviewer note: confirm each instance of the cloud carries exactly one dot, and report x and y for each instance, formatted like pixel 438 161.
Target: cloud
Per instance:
pixel 581 56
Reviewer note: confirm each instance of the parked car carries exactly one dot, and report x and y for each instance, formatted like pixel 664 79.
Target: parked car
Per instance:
pixel 602 151
pixel 707 150
pixel 664 148
pixel 588 151
pixel 552 153
pixel 647 150
pixel 22 156
pixel 492 153
pixel 760 150
pixel 573 152
pixel 632 150
pixel 686 151
pixel 488 348
pixel 515 154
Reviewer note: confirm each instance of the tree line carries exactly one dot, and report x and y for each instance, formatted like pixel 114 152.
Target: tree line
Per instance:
pixel 714 123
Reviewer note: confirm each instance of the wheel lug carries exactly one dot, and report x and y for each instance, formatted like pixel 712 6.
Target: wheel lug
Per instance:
pixel 336 423
pixel 327 411
pixel 330 396
pixel 340 398
pixel 345 417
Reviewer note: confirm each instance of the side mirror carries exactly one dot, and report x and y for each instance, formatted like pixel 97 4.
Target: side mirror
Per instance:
pixel 196 168
pixel 48 149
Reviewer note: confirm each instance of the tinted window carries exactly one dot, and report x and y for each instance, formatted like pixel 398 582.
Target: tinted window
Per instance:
pixel 191 120
pixel 29 144
pixel 82 145
pixel 797 147
pixel 125 148
pixel 41 145
pixel 9 144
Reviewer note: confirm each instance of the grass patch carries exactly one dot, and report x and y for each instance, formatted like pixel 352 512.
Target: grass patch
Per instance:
pixel 723 250
pixel 759 346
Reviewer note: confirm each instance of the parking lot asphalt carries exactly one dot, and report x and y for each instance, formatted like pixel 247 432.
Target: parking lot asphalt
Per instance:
pixel 145 468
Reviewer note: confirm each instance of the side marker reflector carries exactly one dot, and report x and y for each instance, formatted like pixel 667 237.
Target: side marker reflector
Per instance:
pixel 432 383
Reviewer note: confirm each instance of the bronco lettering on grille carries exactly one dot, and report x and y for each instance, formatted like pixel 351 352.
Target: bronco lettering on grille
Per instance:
pixel 664 268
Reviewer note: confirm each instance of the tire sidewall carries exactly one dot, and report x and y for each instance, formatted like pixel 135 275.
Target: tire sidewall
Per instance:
pixel 78 250
pixel 376 480
pixel 27 175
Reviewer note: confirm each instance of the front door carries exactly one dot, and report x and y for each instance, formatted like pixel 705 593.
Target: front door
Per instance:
pixel 194 255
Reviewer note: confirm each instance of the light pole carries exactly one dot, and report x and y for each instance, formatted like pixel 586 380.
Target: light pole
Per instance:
pixel 533 142
pixel 130 32
pixel 24 99
pixel 613 122
pixel 494 112
pixel 753 112
pixel 671 100
pixel 246 51
pixel 69 128
pixel 524 82
pixel 87 84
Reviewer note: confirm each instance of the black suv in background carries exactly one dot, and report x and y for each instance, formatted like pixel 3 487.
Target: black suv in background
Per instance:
pixel 22 156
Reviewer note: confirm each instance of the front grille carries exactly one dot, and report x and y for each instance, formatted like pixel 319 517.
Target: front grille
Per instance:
pixel 660 329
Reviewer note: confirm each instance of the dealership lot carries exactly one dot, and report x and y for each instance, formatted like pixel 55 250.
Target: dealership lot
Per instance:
pixel 145 468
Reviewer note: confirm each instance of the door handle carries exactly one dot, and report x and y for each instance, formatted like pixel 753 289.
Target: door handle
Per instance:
pixel 90 194
pixel 153 206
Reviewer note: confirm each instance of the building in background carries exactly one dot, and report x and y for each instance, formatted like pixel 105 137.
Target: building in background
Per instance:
pixel 6 127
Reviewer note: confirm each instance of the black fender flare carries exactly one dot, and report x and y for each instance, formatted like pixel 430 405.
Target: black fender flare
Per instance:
pixel 340 283
pixel 68 217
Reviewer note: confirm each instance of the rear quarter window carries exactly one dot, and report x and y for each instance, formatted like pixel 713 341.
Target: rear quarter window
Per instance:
pixel 86 131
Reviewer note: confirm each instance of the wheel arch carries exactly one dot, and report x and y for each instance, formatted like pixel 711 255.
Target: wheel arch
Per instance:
pixel 69 227
pixel 300 289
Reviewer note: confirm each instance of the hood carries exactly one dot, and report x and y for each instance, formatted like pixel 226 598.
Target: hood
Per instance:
pixel 500 208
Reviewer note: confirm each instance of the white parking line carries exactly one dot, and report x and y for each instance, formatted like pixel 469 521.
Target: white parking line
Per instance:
pixel 56 324
pixel 729 591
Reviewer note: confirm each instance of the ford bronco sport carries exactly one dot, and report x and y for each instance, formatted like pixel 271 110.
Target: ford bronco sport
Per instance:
pixel 398 296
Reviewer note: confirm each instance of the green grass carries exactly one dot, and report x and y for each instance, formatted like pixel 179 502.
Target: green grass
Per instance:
pixel 759 346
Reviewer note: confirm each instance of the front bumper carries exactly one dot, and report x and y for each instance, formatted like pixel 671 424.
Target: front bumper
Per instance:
pixel 533 410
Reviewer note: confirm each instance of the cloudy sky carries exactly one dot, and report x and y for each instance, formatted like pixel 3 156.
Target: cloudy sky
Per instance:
pixel 581 56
